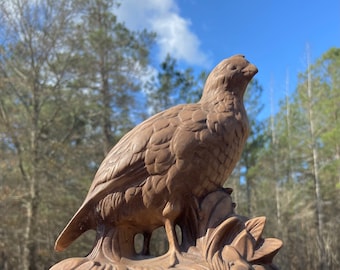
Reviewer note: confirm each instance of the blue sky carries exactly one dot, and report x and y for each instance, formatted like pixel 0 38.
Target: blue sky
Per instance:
pixel 271 34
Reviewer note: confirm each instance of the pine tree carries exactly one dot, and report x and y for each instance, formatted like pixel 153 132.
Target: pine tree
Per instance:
pixel 172 86
pixel 67 71
pixel 33 105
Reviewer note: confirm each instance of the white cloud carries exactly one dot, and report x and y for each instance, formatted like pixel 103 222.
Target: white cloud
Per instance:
pixel 174 35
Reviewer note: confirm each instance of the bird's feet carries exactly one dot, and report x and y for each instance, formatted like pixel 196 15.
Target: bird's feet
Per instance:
pixel 174 257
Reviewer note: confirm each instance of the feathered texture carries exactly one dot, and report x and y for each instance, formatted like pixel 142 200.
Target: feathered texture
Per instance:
pixel 155 173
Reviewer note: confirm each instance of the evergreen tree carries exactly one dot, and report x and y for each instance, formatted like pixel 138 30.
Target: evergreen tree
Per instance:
pixel 68 76
pixel 34 107
pixel 243 178
pixel 111 61
pixel 173 86
pixel 306 148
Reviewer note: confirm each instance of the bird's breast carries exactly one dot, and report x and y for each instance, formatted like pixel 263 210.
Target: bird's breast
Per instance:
pixel 225 140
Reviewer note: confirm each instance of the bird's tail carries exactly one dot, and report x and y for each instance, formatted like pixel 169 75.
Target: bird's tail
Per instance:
pixel 79 224
pixel 84 218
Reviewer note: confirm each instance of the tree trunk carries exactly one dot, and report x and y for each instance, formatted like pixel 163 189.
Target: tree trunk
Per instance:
pixel 315 170
pixel 107 126
pixel 288 120
pixel 275 173
pixel 32 177
pixel 32 204
pixel 30 242
pixel 249 195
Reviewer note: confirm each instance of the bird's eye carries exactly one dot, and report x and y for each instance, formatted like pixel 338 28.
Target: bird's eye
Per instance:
pixel 232 67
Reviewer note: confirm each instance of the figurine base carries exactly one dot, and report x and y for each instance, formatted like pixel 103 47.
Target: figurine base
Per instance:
pixel 223 240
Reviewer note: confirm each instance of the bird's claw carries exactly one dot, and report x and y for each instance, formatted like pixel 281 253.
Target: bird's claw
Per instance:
pixel 174 258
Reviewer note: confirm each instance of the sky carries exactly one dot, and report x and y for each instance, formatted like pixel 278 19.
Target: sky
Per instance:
pixel 274 35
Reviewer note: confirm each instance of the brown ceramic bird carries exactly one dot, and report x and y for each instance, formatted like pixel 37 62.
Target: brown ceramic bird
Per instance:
pixel 151 175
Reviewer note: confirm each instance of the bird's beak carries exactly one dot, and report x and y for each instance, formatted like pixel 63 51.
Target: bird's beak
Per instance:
pixel 250 71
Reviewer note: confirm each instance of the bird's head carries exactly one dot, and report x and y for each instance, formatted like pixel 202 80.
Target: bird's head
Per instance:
pixel 232 75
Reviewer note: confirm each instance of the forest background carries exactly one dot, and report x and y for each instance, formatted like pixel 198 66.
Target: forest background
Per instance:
pixel 74 80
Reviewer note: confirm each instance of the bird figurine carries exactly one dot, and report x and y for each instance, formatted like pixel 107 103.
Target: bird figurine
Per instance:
pixel 169 161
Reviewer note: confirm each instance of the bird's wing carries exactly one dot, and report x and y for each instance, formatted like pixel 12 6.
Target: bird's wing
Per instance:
pixel 137 155
pixel 126 165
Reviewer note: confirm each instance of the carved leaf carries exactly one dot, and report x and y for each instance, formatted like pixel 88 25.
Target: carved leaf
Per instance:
pixel 255 227
pixel 227 259
pixel 223 235
pixel 215 208
pixel 244 244
pixel 266 252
